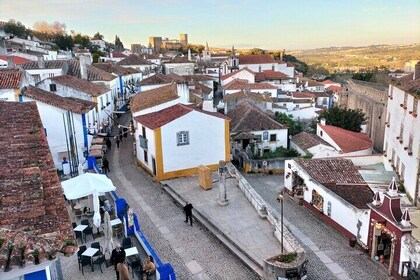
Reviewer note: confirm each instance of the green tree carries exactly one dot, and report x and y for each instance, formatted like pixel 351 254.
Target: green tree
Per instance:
pixel 363 76
pixel 82 40
pixel 95 57
pixel 257 51
pixel 344 118
pixel 98 36
pixel 118 44
pixel 300 66
pixel 64 42
pixel 295 127
pixel 16 28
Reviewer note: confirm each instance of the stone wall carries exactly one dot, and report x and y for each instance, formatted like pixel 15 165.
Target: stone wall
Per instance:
pixel 372 100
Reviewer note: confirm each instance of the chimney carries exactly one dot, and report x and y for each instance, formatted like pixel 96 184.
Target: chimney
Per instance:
pixel 10 63
pixel 41 62
pixel 416 71
pixel 323 122
pixel 111 55
pixel 376 199
pixel 393 189
pixel 84 62
pixel 189 54
pixel 208 106
pixel 405 219
pixel 183 92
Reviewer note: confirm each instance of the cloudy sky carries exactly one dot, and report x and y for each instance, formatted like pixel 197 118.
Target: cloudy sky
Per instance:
pixel 269 24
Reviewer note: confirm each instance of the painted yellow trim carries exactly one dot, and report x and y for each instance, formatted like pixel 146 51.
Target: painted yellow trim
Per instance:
pixel 95 99
pixel 159 153
pixel 16 94
pixel 227 141
pixel 247 167
pixel 184 172
pixel 143 166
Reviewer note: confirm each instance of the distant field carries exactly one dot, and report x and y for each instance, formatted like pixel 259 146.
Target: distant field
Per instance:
pixel 355 58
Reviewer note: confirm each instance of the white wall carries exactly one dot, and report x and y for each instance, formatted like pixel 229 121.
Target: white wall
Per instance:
pixel 256 67
pixel 200 151
pixel 7 95
pixel 399 115
pixel 409 247
pixel 151 148
pixel 156 108
pixel 45 73
pixel 323 151
pixel 281 139
pixel 243 75
pixel 342 212
pixel 179 68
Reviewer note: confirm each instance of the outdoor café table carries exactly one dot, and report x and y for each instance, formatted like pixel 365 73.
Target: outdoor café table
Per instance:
pixel 131 251
pixel 96 147
pixel 89 253
pixel 97 141
pixel 102 134
pixel 95 153
pixel 115 222
pixel 80 228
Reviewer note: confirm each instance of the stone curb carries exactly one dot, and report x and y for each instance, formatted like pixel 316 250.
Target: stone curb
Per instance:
pixel 249 261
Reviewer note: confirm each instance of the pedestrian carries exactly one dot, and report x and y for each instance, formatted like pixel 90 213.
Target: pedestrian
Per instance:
pixel 188 212
pixel 117 141
pixel 108 144
pixel 123 271
pixel 117 256
pixel 105 166
pixel 121 134
pixel 149 267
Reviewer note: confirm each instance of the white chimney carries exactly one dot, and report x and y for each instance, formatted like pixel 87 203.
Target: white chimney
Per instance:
pixel 208 106
pixel 41 62
pixel 183 92
pixel 416 71
pixel 111 55
pixel 323 121
pixel 10 63
pixel 189 54
pixel 84 61
pixel 393 189
pixel 405 219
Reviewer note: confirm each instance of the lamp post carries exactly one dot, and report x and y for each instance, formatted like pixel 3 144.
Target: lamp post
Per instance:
pixel 280 199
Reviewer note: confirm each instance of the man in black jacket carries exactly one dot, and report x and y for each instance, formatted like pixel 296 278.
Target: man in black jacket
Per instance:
pixel 117 256
pixel 188 212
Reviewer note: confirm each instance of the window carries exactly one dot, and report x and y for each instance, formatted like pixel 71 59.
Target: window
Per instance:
pixel 143 131
pixel 259 68
pixel 402 170
pixel 183 138
pixel 50 75
pixel 102 102
pixel 53 87
pixel 258 139
pixel 45 130
pixel 273 137
pixel 329 208
pixel 324 101
pixel 405 99
pixel 398 164
pixel 145 155
pixel 170 70
pixel 272 67
pixel 410 143
pixel 401 132
pixel 415 101
pixel 297 106
pixel 320 133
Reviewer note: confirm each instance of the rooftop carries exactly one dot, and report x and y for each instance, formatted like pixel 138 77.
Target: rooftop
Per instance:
pixel 134 59
pixel 305 140
pixel 162 117
pixel 114 68
pixel 408 85
pixel 348 141
pixel 224 77
pixel 158 79
pixel 10 78
pixel 94 74
pixel 179 59
pixel 32 209
pixel 245 118
pixel 82 85
pixel 256 59
pixel 238 84
pixel 17 60
pixel 247 94
pixel 48 64
pixel 153 97
pixel 74 105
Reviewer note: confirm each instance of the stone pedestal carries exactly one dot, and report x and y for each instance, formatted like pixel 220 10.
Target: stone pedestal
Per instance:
pixel 222 200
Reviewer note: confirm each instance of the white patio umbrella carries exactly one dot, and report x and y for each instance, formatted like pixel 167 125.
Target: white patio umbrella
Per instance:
pixel 88 184
pixel 109 246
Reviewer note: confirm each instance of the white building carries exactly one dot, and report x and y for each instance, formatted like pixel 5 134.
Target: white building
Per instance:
pixel 11 83
pixel 179 65
pixel 55 112
pixel 402 132
pixel 333 190
pixel 346 142
pixel 170 134
pixel 101 44
pixel 268 135
pixel 238 85
pixel 137 62
pixel 308 143
pixel 43 69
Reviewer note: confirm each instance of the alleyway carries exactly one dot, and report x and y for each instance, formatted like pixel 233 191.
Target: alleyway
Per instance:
pixel 197 254
pixel 327 242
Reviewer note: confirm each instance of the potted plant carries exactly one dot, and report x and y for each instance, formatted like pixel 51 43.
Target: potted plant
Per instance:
pixel 36 256
pixel 69 248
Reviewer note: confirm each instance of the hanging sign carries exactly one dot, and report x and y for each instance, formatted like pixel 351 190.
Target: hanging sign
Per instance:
pixel 130 217
pixel 265 135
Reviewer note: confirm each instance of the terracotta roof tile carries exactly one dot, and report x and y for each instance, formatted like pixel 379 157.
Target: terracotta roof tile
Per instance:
pixel 334 88
pixel 274 75
pixel 239 84
pixel 256 59
pixel 200 89
pixel 134 59
pixel 153 97
pixel 348 141
pixel 305 140
pixel 162 117
pixel 10 78
pixel 118 55
pixel 94 74
pixel 49 64
pixel 114 68
pixel 82 85
pixel 179 59
pixel 245 118
pixel 407 84
pixel 75 105
pixel 313 83
pixel 197 78
pixel 32 208
pixel 328 82
pixel 247 94
pixel 17 60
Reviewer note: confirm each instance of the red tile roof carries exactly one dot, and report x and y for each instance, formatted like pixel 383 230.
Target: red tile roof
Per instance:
pixel 305 140
pixel 247 94
pixel 312 83
pixel 118 55
pixel 289 64
pixel 94 74
pixel 82 85
pixel 10 78
pixel 328 82
pixel 274 75
pixel 224 77
pixel 238 84
pixel 32 210
pixel 75 105
pixel 114 68
pixel 153 97
pixel 256 59
pixel 197 78
pixel 162 117
pixel 17 60
pixel 334 88
pixel 48 64
pixel 408 85
pixel 134 59
pixel 348 141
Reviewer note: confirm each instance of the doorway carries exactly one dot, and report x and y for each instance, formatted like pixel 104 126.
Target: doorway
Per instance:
pixel 154 166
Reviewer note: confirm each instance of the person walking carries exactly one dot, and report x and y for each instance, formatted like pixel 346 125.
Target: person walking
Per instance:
pixel 117 256
pixel 188 212
pixel 117 141
pixel 108 144
pixel 105 166
pixel 123 271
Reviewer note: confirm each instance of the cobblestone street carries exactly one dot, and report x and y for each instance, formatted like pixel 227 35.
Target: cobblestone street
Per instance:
pixel 354 262
pixel 193 251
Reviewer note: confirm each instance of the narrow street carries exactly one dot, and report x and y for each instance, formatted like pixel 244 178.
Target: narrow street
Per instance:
pixel 327 240
pixel 162 222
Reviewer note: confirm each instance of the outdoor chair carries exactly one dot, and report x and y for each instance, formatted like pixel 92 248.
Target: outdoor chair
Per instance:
pixel 79 234
pixel 79 253
pixel 84 261
pixel 118 231
pixel 135 264
pixel 99 261
pixel 78 214
pixel 85 222
pixel 97 246
pixel 89 231
pixel 127 243
pixel 74 224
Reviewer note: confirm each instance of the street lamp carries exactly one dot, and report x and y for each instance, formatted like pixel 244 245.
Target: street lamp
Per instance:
pixel 280 199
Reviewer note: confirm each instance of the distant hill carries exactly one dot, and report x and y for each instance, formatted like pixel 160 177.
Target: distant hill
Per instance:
pixel 339 59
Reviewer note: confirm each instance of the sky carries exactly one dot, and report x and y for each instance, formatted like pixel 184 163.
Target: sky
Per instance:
pixel 267 24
